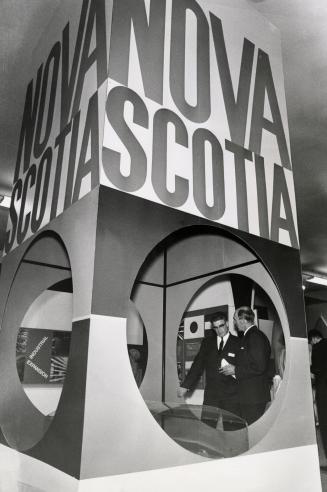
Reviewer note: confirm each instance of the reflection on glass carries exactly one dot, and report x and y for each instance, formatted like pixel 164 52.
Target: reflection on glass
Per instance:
pixel 181 423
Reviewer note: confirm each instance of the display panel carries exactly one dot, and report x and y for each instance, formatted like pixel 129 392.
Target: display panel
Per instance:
pixel 46 348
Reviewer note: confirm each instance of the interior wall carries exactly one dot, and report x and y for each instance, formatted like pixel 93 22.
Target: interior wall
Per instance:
pixel 52 310
pixel 216 294
pixel 45 398
pixel 203 254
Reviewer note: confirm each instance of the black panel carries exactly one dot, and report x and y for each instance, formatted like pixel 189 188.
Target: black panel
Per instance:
pixel 129 228
pixel 65 285
pixel 241 287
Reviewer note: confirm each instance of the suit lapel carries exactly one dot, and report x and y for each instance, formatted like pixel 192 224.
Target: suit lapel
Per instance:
pixel 227 344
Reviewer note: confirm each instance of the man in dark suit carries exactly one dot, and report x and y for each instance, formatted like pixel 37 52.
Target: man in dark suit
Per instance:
pixel 220 390
pixel 251 367
pixel 319 369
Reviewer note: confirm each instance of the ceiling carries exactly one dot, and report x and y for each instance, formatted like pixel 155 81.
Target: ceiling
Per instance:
pixel 303 27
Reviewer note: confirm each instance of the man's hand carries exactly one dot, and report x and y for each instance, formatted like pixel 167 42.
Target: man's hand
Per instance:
pixel 181 392
pixel 228 370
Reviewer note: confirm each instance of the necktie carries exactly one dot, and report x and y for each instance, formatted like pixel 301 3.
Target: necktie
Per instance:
pixel 221 345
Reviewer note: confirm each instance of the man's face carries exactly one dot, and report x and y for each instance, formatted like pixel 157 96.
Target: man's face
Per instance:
pixel 220 327
pixel 314 340
pixel 238 323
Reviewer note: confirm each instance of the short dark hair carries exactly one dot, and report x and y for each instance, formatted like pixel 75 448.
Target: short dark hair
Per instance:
pixel 314 333
pixel 217 316
pixel 245 312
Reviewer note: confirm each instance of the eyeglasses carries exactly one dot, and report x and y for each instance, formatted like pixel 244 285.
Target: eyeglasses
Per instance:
pixel 219 326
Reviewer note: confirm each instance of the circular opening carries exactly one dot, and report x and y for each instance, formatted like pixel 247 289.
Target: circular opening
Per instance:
pixel 184 283
pixel 37 331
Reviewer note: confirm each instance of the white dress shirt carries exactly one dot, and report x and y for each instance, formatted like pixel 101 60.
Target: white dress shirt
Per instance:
pixel 225 338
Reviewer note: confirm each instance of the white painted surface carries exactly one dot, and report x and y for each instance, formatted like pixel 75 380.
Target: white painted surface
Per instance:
pixel 120 435
pixel 238 23
pixel 44 397
pixel 283 471
pixel 52 310
pixel 134 328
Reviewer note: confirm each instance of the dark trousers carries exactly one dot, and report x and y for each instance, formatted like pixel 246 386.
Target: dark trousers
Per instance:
pixel 321 399
pixel 211 415
pixel 253 412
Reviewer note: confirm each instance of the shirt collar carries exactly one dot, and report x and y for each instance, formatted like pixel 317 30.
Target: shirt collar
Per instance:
pixel 225 338
pixel 248 329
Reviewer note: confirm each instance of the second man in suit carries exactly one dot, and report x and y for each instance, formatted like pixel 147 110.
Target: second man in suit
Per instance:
pixel 251 369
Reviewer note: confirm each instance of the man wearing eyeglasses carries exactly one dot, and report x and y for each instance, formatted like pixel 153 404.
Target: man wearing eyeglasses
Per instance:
pixel 215 351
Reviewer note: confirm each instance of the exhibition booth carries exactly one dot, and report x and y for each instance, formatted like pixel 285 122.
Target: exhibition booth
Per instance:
pixel 153 189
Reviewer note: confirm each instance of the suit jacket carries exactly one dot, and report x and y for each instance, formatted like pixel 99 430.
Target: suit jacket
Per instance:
pixel 319 369
pixel 319 362
pixel 218 387
pixel 252 367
